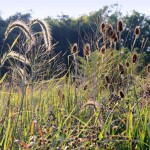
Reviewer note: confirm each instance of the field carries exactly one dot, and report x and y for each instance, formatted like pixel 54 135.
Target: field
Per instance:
pixel 101 101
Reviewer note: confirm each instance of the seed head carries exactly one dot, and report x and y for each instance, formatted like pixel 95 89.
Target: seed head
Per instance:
pixel 109 31
pixel 134 58
pixel 85 87
pixel 74 48
pixel 103 49
pixel 86 49
pixel 121 69
pixel 127 64
pixel 24 28
pixel 120 26
pixel 102 28
pixel 114 36
pixel 107 79
pixel 137 31
pixel 46 32
pixel 121 94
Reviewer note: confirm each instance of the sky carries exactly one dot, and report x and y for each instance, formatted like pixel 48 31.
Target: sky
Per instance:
pixel 74 8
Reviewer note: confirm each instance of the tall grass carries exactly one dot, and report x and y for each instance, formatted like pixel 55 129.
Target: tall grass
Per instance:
pixel 103 103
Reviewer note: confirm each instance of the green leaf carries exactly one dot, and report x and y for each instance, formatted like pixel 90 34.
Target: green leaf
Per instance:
pixel 3 78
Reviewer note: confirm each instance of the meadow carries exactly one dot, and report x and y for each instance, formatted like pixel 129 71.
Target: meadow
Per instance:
pixel 101 101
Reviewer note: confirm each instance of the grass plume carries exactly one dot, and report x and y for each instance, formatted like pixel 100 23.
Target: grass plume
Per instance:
pixel 24 28
pixel 46 32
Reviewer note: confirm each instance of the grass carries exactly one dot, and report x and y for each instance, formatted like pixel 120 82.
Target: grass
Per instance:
pixel 103 104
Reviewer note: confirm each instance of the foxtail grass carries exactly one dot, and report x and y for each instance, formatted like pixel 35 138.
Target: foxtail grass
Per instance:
pixel 46 32
pixel 25 29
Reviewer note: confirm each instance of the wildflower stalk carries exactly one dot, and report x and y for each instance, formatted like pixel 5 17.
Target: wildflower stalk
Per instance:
pixel 120 45
pixel 136 33
pixel 74 51
pixel 120 29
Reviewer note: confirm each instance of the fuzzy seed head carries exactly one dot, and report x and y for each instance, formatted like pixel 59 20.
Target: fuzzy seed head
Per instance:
pixel 137 31
pixel 107 79
pixel 85 87
pixel 114 36
pixel 103 49
pixel 120 26
pixel 134 58
pixel 121 69
pixel 86 49
pixel 127 64
pixel 74 48
pixel 109 31
pixel 24 28
pixel 46 32
pixel 102 28
pixel 121 94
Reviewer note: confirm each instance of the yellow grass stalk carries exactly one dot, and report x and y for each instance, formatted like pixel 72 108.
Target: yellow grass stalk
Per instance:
pixel 16 56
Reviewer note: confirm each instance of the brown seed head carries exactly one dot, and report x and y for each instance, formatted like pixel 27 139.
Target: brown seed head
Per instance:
pixel 102 28
pixel 107 79
pixel 74 48
pixel 137 31
pixel 120 26
pixel 109 31
pixel 134 58
pixel 114 36
pixel 103 49
pixel 127 64
pixel 121 69
pixel 121 94
pixel 85 87
pixel 86 49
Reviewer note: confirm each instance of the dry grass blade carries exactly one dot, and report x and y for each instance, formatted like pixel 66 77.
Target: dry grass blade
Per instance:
pixel 16 56
pixel 93 104
pixel 19 57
